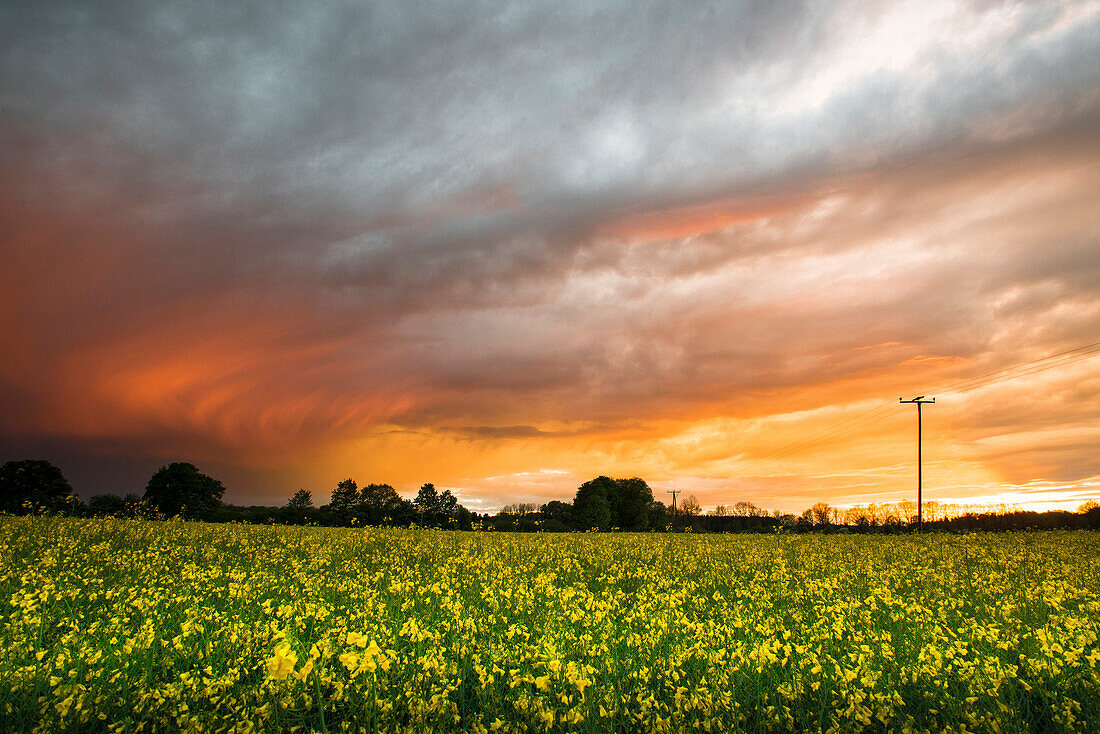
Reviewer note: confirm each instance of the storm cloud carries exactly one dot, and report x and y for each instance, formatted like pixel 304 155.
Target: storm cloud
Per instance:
pixel 273 236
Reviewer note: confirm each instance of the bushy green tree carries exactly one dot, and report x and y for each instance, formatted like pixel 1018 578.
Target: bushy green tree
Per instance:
pixel 591 508
pixel 626 501
pixel 181 490
pixel 33 482
pixel 557 511
pixel 632 501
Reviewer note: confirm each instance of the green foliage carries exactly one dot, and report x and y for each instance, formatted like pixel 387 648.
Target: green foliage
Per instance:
pixel 613 503
pixel 34 485
pixel 591 508
pixel 631 508
pixel 559 512
pixel 181 490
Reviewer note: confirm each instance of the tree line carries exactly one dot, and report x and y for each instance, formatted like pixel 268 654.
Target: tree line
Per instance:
pixel 603 504
pixel 181 490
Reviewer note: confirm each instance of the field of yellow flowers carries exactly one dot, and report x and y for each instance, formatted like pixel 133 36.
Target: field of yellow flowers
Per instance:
pixel 120 625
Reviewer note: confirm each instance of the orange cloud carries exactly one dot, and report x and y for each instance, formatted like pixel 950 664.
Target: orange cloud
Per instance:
pixel 698 219
pixel 740 365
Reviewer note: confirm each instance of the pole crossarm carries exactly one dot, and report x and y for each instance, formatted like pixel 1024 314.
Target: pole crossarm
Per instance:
pixel 673 492
pixel 919 401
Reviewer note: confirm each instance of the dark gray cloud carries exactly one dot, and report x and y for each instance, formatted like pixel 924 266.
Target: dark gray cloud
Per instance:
pixel 397 111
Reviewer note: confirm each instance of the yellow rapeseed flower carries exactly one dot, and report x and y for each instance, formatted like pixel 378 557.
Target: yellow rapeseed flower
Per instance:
pixel 282 662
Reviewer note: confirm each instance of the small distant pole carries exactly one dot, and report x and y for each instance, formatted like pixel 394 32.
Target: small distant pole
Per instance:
pixel 919 401
pixel 673 492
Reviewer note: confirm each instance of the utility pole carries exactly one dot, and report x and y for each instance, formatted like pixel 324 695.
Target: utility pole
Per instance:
pixel 673 492
pixel 919 401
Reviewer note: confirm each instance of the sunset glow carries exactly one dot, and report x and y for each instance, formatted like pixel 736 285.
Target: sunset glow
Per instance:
pixel 508 251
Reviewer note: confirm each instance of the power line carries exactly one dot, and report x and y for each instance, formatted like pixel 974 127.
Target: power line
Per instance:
pixel 827 431
pixel 1063 358
pixel 826 434
pixel 1060 359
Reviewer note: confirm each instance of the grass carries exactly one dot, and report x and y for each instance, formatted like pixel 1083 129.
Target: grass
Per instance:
pixel 117 625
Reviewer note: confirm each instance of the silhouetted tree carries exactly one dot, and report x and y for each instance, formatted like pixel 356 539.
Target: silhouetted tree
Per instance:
pixel 344 501
pixel 380 504
pixel 298 509
pixel 462 519
pixel 520 508
pixel 821 514
pixel 789 521
pixel 658 515
pixel 301 500
pixel 427 504
pixel 748 509
pixel 690 506
pixel 35 482
pixel 436 509
pixel 101 505
pixel 907 509
pixel 180 489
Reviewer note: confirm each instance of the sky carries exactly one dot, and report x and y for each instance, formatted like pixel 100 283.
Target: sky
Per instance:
pixel 507 247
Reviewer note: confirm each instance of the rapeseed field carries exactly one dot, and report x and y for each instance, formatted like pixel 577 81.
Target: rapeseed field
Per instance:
pixel 126 626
